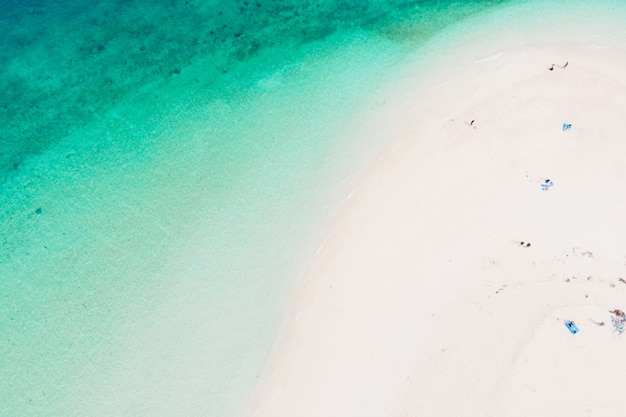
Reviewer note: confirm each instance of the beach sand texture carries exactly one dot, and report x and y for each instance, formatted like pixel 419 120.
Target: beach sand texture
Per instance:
pixel 422 300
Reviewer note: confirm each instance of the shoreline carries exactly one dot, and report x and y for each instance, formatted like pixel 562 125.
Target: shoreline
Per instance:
pixel 421 288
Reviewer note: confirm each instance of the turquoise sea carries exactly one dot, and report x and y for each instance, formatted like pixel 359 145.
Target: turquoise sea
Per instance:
pixel 164 170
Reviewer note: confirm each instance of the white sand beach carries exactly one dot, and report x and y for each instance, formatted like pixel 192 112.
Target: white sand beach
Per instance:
pixel 422 300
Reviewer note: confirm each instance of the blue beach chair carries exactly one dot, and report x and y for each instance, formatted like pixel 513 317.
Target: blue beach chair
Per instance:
pixel 566 127
pixel 571 327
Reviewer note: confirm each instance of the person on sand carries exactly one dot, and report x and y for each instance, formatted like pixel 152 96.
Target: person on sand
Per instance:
pixel 551 67
pixel 565 65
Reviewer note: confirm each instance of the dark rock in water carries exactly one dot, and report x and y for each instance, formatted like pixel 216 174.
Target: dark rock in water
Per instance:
pixel 38 211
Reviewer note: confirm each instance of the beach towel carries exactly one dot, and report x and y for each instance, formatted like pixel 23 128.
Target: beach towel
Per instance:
pixel 566 127
pixel 618 323
pixel 545 186
pixel 571 327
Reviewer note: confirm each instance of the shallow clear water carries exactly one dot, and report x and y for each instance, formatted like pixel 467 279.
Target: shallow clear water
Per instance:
pixel 163 168
pixel 66 63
